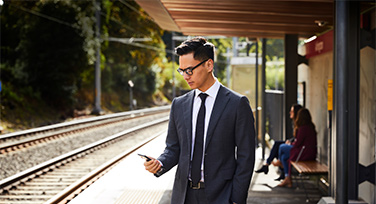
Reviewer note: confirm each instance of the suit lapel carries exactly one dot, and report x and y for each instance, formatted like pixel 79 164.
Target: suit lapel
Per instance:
pixel 187 110
pixel 219 105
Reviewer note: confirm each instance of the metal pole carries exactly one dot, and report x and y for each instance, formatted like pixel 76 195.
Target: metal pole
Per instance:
pixel 228 67
pixel 256 96
pixel 130 98
pixel 340 118
pixel 130 85
pixel 97 93
pixel 173 65
pixel 234 45
pixel 263 123
pixel 291 79
pixel 353 83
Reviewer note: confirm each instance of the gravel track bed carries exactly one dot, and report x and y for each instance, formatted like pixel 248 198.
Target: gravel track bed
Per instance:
pixel 19 161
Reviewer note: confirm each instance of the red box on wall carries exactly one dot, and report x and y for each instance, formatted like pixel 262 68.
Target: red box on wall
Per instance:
pixel 320 45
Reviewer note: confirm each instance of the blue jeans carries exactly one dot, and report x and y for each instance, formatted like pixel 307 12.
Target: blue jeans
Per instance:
pixel 284 155
pixel 274 151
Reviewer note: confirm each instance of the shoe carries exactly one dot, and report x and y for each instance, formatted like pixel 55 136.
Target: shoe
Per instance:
pixel 264 168
pixel 281 177
pixel 286 183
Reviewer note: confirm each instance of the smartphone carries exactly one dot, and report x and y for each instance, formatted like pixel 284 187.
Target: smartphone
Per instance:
pixel 145 157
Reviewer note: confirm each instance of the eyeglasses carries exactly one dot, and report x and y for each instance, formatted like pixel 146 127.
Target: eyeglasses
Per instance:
pixel 189 70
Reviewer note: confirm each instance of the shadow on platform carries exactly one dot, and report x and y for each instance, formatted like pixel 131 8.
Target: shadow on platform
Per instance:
pixel 264 189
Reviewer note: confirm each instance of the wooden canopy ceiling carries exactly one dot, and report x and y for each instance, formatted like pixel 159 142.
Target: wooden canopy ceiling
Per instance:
pixel 247 18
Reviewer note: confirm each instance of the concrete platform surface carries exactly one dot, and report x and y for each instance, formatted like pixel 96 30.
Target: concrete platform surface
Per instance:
pixel 130 183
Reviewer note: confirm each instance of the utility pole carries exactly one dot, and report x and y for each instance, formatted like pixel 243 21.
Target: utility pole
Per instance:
pixel 97 93
pixel 173 65
pixel 130 83
pixel 228 66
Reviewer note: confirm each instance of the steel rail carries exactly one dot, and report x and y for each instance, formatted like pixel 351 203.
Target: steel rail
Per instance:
pixel 7 147
pixel 82 121
pixel 14 180
pixel 74 189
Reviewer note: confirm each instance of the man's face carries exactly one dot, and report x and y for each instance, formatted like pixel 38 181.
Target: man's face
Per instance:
pixel 199 78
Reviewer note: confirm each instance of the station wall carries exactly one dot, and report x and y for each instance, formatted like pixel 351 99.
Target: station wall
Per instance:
pixel 316 76
pixel 367 118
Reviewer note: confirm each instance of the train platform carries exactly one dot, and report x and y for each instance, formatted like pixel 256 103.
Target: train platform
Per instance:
pixel 130 183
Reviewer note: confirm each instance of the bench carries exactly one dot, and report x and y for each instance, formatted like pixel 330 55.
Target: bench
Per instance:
pixel 310 168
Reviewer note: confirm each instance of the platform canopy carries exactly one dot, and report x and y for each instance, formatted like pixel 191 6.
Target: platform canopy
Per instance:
pixel 250 18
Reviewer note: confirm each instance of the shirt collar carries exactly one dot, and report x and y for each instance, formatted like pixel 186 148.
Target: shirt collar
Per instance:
pixel 212 91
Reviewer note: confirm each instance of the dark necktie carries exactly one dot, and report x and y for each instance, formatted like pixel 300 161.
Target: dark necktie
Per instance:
pixel 199 142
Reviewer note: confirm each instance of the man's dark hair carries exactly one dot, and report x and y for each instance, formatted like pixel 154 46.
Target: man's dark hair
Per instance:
pixel 200 48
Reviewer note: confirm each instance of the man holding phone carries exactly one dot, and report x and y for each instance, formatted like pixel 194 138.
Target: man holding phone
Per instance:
pixel 211 135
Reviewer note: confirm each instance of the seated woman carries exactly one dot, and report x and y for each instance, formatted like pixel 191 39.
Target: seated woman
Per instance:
pixel 305 135
pixel 275 149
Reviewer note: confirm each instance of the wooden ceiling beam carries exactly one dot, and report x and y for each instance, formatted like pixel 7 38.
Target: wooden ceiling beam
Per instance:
pixel 237 1
pixel 238 34
pixel 218 29
pixel 252 26
pixel 258 12
pixel 259 7
pixel 249 19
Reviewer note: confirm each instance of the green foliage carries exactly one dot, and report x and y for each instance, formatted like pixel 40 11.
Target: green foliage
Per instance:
pixel 51 47
pixel 44 48
pixel 275 49
pixel 275 69
pixel 48 52
pixel 275 75
pixel 221 46
pixel 165 71
pixel 274 57
pixel 131 61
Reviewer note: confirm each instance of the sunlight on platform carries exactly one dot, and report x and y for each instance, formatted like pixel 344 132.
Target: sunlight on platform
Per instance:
pixel 260 181
pixel 129 182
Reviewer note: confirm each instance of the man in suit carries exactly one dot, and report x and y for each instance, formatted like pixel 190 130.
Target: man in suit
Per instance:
pixel 212 143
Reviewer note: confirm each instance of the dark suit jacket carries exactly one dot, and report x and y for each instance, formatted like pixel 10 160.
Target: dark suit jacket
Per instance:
pixel 229 148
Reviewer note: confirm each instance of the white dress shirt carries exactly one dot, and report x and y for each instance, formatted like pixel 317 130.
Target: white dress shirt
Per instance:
pixel 209 103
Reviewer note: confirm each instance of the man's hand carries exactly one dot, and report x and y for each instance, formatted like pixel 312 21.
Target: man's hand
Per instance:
pixel 153 166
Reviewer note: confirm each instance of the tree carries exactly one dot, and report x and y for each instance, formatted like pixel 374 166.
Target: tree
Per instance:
pixel 49 55
pixel 130 61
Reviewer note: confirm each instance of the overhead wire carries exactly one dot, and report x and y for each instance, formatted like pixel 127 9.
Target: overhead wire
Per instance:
pixel 146 46
pixel 76 27
pixel 136 10
pixel 45 16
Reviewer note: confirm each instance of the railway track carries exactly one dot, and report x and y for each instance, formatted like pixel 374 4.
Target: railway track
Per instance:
pixel 24 139
pixel 60 179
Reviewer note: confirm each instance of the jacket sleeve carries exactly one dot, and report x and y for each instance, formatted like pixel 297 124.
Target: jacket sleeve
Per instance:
pixel 245 142
pixel 170 155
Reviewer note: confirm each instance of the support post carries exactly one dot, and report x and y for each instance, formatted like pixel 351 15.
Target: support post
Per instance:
pixel 263 113
pixel 291 79
pixel 228 67
pixel 353 98
pixel 97 93
pixel 346 100
pixel 173 65
pixel 257 97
